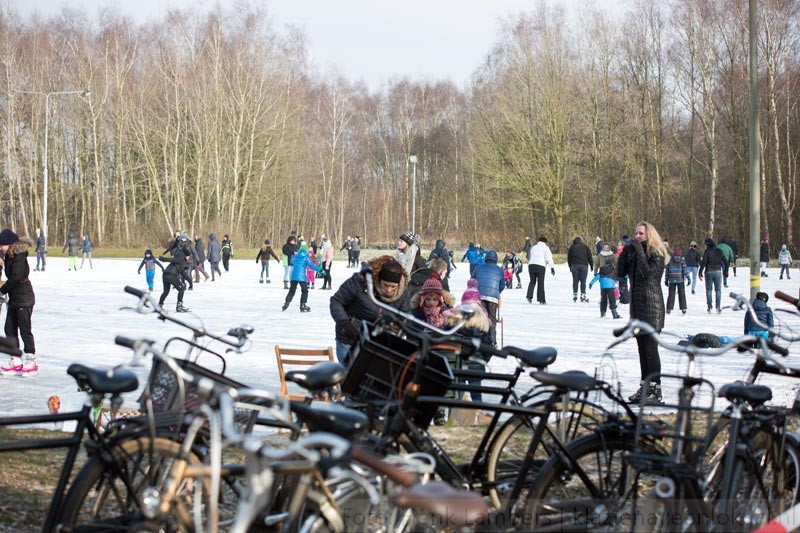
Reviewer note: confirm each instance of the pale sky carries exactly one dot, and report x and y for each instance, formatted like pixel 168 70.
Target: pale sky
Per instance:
pixel 371 40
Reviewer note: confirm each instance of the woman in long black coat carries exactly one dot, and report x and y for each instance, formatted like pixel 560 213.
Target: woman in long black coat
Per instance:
pixel 643 262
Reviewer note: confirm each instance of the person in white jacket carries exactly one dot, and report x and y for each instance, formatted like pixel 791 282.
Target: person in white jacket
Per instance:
pixel 541 258
pixel 326 260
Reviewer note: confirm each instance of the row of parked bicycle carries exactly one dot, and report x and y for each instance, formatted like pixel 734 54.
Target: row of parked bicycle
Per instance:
pixel 568 453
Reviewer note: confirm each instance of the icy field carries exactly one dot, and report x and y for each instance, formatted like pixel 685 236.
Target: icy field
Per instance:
pixel 78 314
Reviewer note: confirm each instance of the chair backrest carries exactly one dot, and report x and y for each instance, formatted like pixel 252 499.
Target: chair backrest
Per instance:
pixel 299 357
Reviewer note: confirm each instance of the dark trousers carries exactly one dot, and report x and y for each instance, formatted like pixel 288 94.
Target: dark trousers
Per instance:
pixel 18 319
pixel 326 281
pixel 491 310
pixel 350 261
pixel 681 296
pixel 785 268
pixel 607 300
pixel 215 268
pixel 303 292
pixel 356 255
pixel 40 259
pixel 536 273
pixel 649 360
pixel 171 280
pixel 225 262
pixel 579 273
pixel 187 275
pixel 472 267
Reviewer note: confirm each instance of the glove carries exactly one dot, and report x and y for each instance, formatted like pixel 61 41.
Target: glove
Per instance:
pixel 346 329
pixel 637 246
pixel 553 271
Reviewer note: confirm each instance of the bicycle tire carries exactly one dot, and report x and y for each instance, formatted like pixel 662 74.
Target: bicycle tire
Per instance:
pixel 510 444
pixel 99 499
pixel 560 500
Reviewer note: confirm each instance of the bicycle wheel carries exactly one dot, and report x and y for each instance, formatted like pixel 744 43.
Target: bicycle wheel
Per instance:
pixel 596 491
pixel 98 499
pixel 678 515
pixel 510 445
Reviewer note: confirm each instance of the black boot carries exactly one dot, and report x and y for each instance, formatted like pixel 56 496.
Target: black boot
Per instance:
pixel 615 314
pixel 304 308
pixel 180 308
pixel 285 306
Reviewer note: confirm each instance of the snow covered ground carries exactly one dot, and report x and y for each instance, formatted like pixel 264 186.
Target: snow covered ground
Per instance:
pixel 78 314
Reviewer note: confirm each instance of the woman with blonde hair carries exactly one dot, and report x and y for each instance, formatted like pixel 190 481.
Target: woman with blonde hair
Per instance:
pixel 643 262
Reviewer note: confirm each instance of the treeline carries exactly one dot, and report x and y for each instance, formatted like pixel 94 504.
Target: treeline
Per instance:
pixel 214 120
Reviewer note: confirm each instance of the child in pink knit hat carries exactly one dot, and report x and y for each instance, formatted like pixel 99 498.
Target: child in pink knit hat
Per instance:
pixel 478 326
pixel 432 302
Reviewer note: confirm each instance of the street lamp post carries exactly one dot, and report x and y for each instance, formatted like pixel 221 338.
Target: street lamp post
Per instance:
pixel 47 96
pixel 413 160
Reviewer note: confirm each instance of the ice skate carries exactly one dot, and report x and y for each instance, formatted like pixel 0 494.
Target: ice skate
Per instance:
pixel 180 308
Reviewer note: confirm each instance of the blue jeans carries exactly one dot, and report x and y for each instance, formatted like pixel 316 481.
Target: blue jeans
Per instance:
pixel 714 281
pixel 693 274
pixel 150 275
pixel 342 349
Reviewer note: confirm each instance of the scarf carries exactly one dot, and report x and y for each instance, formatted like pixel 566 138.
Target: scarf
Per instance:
pixel 433 316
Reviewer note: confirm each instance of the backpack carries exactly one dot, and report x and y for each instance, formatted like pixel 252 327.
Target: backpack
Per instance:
pixel 607 270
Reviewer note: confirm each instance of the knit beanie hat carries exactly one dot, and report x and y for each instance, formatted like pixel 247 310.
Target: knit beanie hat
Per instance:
pixel 491 257
pixel 471 295
pixel 266 241
pixel 408 237
pixel 391 271
pixel 432 285
pixel 8 237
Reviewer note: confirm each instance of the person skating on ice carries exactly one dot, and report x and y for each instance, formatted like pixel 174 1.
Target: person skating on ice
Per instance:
pixel 173 276
pixel 300 262
pixel 21 301
pixel 262 257
pixel 149 262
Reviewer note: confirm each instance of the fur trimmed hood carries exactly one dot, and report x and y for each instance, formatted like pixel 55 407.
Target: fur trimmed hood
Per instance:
pixel 20 246
pixel 377 264
pixel 449 300
pixel 479 321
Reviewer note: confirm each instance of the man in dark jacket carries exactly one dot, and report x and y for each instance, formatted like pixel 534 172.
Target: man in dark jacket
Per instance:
pixel 200 265
pixel 692 257
pixel 439 251
pixel 20 302
pixel 713 264
pixel 579 260
pixel 438 267
pixel 490 284
pixel 173 275
pixel 351 305
pixel 41 251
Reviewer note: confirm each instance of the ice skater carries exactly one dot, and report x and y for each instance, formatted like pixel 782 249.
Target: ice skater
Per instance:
pixel 300 262
pixel 149 262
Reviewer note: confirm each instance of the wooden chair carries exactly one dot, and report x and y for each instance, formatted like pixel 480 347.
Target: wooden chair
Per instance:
pixel 299 357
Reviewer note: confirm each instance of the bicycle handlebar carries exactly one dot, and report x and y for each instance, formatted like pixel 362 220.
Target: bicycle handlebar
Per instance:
pixel 147 301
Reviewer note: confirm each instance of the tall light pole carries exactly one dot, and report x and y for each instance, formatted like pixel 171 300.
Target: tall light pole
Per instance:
pixel 413 160
pixel 755 155
pixel 47 96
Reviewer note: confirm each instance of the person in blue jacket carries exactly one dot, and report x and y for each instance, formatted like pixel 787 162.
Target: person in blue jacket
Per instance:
pixel 764 314
pixel 149 262
pixel 474 256
pixel 300 262
pixel 86 248
pixel 607 275
pixel 491 283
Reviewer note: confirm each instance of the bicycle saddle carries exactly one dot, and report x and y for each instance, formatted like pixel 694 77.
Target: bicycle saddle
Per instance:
pixel 318 377
pixel 539 358
pixel 103 380
pixel 755 395
pixel 574 380
pixel 456 508
pixel 347 423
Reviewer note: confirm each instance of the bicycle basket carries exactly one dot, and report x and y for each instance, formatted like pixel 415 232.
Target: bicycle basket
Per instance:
pixel 682 429
pixel 164 391
pixel 382 366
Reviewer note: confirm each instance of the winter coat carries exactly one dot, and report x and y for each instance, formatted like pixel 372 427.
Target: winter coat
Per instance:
pixel 604 258
pixel 149 262
pixel 644 272
pixel 416 304
pixel 86 247
pixel 418 277
pixel 41 242
pixel 351 304
pixel 692 257
pixel 326 253
pixel 605 281
pixel 300 262
pixel 440 252
pixel 200 248
pixel 526 249
pixel 764 314
pixel 541 255
pixel 473 255
pixel 764 252
pixel 177 264
pixel 72 245
pixel 227 248
pixel 675 273
pixel 288 251
pixel 726 252
pixel 18 286
pixel 784 257
pixel 214 249
pixel 579 254
pixel 490 281
pixel 513 262
pixel 264 253
pixel 477 327
pixel 713 260
pixel 355 245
